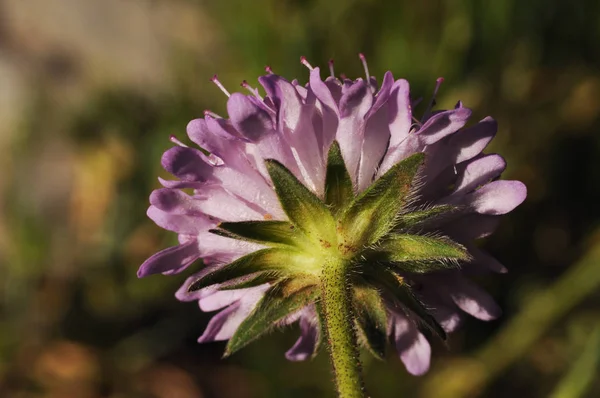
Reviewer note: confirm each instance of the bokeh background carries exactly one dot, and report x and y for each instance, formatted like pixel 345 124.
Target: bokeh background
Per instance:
pixel 90 91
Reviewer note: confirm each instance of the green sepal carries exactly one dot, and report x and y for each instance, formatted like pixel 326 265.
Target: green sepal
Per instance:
pixel 320 326
pixel 371 320
pixel 253 280
pixel 338 184
pixel 422 254
pixel 265 232
pixel 417 217
pixel 402 294
pixel 304 209
pixel 277 261
pixel 277 303
pixel 374 212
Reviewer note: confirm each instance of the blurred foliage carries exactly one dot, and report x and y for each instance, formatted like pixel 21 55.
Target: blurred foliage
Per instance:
pixel 76 322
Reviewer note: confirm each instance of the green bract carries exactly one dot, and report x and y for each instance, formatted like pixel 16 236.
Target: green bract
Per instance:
pixel 373 238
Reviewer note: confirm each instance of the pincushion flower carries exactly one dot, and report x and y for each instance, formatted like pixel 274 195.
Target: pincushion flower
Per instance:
pixel 332 205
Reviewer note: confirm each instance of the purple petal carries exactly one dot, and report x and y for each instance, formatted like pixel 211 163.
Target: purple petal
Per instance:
pixel 222 128
pixel 322 91
pixel 224 324
pixel 497 197
pixel 181 184
pixel 377 135
pixel 383 95
pixel 410 145
pixel 253 189
pixel 220 299
pixel 449 319
pixel 442 124
pixel 174 201
pixel 400 112
pixel 172 259
pixel 354 105
pixel 460 147
pixel 413 347
pixel 473 300
pixel 183 293
pixel 479 172
pixel 250 120
pixel 215 201
pixel 485 260
pixel 182 224
pixel 471 227
pixel 295 123
pixel 285 98
pixel 187 163
pixel 304 347
pixel 471 141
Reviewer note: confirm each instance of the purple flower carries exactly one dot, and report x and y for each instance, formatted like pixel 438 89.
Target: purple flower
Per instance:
pixel 404 201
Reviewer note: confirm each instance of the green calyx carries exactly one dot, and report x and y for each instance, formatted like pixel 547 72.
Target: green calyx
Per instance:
pixel 370 243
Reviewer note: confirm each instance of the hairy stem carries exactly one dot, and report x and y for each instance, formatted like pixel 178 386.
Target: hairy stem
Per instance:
pixel 339 325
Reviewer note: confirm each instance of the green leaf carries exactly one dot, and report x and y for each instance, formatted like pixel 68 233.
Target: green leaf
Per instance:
pixel 276 304
pixel 421 254
pixel 277 261
pixel 371 319
pixel 304 209
pixel 402 293
pixel 338 184
pixel 415 218
pixel 374 212
pixel 265 232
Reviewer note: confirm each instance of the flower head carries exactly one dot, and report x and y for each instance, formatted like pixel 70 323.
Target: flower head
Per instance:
pixel 335 174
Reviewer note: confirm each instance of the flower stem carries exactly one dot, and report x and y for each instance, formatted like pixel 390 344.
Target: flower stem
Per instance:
pixel 339 326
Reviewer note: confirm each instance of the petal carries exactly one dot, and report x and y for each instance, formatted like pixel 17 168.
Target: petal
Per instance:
pixel 304 347
pixel 253 189
pixel 413 347
pixel 377 135
pixel 172 259
pixel 223 325
pixel 485 260
pixel 354 105
pixel 322 91
pixel 479 172
pixel 174 201
pixel 187 163
pixel 460 147
pixel 183 293
pixel 217 140
pixel 247 118
pixel 497 197
pixel 383 95
pixel 220 299
pixel 217 249
pixel 449 319
pixel 181 184
pixel 471 141
pixel 442 124
pixel 285 98
pixel 471 227
pixel 222 128
pixel 295 123
pixel 215 201
pixel 473 300
pixel 400 112
pixel 182 224
pixel 410 145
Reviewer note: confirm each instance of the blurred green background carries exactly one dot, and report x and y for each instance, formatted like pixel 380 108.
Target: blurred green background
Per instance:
pixel 90 91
